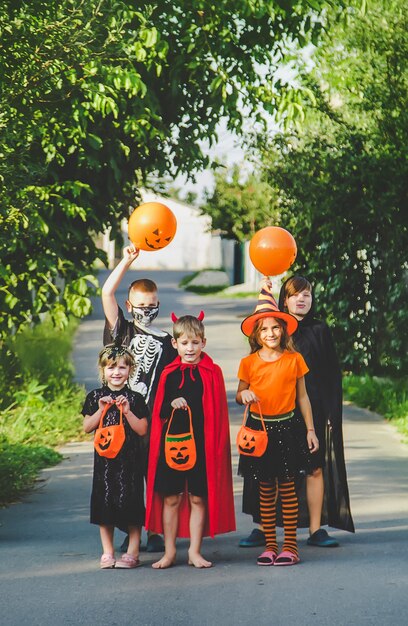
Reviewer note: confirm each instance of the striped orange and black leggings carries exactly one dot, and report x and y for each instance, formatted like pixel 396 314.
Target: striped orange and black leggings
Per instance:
pixel 268 496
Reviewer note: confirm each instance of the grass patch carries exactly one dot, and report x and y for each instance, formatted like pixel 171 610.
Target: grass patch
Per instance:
pixel 19 466
pixel 204 290
pixel 240 295
pixel 188 278
pixel 186 281
pixel 40 405
pixel 385 396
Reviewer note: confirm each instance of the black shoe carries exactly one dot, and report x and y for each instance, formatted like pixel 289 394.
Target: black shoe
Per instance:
pixel 322 539
pixel 125 544
pixel 155 543
pixel 255 540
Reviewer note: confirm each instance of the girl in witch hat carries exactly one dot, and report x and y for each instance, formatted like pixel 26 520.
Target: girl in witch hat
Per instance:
pixel 324 497
pixel 273 375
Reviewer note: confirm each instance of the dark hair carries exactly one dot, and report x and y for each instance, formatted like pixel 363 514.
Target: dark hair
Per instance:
pixel 286 342
pixel 292 286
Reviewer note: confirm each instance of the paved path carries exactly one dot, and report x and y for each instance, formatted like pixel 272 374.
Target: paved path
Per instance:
pixel 49 552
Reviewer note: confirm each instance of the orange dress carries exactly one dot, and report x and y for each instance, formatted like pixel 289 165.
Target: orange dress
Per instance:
pixel 287 454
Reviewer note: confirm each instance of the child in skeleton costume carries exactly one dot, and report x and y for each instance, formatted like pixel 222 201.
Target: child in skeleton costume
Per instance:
pixel 198 500
pixel 151 347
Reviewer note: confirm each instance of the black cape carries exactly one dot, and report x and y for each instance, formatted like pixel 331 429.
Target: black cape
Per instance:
pixel 314 341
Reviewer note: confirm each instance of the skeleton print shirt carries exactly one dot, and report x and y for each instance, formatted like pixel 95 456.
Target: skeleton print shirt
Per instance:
pixel 151 348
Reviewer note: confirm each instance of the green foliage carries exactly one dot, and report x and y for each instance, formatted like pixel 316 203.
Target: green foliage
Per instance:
pixel 240 206
pixel 188 278
pixel 35 420
pixel 19 466
pixel 385 396
pixel 37 360
pixel 40 406
pixel 343 188
pixel 97 96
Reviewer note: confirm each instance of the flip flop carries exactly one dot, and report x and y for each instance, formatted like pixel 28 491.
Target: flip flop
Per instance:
pixel 127 561
pixel 107 561
pixel 267 558
pixel 286 558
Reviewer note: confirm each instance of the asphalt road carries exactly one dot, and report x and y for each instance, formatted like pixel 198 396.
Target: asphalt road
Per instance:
pixel 49 571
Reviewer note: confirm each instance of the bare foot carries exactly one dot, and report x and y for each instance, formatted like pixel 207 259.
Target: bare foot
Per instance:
pixel 164 563
pixel 198 561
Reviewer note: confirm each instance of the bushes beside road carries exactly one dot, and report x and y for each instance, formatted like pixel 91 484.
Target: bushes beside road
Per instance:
pixel 385 396
pixel 39 405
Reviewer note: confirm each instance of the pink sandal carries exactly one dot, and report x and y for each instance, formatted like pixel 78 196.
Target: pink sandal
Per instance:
pixel 266 558
pixel 127 561
pixel 107 561
pixel 286 558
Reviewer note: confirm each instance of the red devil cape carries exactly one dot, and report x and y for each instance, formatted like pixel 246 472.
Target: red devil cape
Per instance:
pixel 220 516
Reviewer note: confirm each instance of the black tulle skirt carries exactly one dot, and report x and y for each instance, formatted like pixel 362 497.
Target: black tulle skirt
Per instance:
pixel 286 456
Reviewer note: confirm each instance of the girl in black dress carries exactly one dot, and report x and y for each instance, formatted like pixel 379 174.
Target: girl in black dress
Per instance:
pixel 117 491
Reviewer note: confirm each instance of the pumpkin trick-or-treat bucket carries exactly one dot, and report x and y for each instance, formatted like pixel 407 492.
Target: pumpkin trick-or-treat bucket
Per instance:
pixel 108 440
pixel 180 450
pixel 252 442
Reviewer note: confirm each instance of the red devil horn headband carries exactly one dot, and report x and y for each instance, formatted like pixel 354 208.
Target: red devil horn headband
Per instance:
pixel 200 317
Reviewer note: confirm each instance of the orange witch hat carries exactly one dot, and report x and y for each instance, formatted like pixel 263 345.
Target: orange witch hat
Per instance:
pixel 267 307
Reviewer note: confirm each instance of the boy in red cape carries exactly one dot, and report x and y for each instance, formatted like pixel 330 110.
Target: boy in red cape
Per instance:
pixel 199 501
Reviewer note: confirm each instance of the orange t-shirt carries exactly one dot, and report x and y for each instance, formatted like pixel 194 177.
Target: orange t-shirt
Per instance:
pixel 274 382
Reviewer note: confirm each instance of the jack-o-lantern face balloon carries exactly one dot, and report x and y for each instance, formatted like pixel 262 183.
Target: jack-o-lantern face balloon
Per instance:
pixel 152 226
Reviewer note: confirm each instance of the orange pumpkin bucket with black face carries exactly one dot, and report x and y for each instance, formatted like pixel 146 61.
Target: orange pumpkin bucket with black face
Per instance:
pixel 252 442
pixel 108 440
pixel 180 450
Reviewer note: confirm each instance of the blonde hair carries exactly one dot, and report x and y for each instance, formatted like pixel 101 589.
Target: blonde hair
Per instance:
pixel 111 355
pixel 189 325
pixel 286 342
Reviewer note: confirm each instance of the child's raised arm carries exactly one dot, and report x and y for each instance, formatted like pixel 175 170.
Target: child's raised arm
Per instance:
pixel 306 410
pixel 109 303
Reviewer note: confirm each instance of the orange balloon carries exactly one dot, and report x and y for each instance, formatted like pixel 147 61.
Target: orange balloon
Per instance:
pixel 152 226
pixel 272 250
